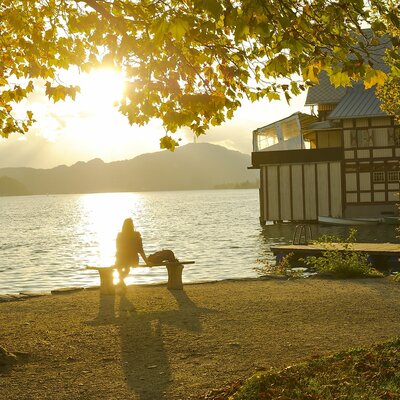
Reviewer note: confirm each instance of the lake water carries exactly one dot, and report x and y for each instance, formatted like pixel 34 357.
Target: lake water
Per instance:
pixel 46 241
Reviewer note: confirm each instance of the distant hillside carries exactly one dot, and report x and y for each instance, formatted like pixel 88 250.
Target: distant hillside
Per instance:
pixel 11 187
pixel 193 166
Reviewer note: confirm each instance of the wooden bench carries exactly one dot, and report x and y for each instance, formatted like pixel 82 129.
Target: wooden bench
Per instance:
pixel 174 269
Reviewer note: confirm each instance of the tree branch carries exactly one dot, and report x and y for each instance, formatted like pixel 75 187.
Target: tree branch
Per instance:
pixel 99 8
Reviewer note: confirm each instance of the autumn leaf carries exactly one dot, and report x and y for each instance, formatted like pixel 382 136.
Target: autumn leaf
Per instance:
pixel 310 73
pixel 178 28
pixel 273 96
pixel 340 78
pixel 177 56
pixel 166 142
pixel 374 77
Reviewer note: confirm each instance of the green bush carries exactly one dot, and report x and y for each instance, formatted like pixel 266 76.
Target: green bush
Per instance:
pixel 345 263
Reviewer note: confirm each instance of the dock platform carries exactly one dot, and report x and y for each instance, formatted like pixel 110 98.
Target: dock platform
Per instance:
pixel 381 254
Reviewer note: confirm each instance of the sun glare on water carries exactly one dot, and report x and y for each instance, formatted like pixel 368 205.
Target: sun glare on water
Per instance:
pixel 102 218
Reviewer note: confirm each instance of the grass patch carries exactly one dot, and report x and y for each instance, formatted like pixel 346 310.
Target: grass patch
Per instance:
pixel 369 373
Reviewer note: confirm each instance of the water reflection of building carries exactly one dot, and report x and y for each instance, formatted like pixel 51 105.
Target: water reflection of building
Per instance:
pixel 342 161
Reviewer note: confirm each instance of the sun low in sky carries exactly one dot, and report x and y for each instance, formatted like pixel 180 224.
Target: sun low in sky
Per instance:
pixel 101 88
pixel 91 126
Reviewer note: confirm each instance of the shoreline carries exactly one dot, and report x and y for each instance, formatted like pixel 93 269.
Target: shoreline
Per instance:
pixel 154 343
pixel 30 294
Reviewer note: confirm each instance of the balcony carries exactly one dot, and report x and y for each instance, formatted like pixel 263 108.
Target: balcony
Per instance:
pixel 296 156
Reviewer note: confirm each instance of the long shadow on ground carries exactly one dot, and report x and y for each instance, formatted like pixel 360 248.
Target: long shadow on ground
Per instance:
pixel 144 357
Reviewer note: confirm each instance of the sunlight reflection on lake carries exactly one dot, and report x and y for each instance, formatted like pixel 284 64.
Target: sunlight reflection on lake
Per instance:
pixel 46 241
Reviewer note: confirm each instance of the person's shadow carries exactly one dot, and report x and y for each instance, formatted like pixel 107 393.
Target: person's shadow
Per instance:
pixel 144 357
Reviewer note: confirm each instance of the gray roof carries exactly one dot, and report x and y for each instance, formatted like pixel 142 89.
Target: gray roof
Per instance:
pixel 324 92
pixel 358 102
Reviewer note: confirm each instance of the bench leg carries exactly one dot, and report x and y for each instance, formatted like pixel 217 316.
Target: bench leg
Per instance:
pixel 106 281
pixel 175 277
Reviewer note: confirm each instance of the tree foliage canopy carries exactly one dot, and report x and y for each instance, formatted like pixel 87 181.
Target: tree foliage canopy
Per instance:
pixel 191 62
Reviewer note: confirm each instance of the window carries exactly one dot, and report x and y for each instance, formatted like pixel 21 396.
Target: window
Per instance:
pixel 393 176
pixel 394 136
pixel 361 138
pixel 266 138
pixel 378 176
pixel 290 129
pixel 397 136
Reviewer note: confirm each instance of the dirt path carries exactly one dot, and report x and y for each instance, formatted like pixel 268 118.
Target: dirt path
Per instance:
pixel 155 344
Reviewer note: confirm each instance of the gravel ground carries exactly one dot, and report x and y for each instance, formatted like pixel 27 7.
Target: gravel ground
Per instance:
pixel 157 344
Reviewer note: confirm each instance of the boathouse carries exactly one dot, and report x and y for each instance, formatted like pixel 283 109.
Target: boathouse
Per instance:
pixel 340 161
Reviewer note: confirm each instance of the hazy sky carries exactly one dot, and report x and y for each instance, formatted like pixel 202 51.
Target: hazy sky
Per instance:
pixel 90 127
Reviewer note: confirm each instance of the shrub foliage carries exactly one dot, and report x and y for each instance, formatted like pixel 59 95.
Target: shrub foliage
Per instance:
pixel 341 261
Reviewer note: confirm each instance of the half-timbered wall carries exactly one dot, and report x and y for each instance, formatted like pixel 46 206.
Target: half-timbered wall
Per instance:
pixel 372 181
pixel 371 167
pixel 301 192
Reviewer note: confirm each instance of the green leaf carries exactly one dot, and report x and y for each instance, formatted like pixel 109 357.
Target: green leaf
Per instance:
pixel 277 66
pixel 178 28
pixel 242 30
pixel 213 7
pixel 160 27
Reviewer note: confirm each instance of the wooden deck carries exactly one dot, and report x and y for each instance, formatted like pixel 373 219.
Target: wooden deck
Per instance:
pixel 388 253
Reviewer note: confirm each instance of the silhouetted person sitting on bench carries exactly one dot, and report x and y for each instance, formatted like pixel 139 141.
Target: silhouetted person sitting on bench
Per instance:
pixel 129 246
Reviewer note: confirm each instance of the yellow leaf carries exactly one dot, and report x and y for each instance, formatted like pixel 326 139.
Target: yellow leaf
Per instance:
pixel 273 96
pixel 374 77
pixel 340 78
pixel 166 142
pixel 310 73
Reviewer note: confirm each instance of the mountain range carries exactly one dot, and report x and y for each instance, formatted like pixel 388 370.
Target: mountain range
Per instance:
pixel 193 166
